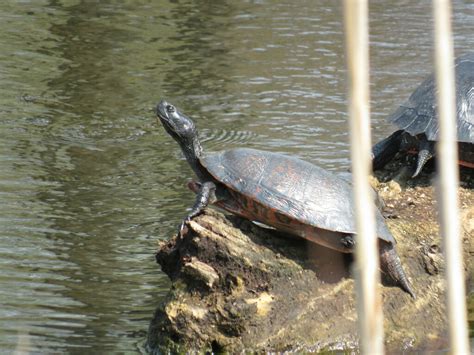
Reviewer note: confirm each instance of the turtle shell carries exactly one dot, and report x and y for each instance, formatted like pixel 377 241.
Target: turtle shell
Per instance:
pixel 290 186
pixel 419 114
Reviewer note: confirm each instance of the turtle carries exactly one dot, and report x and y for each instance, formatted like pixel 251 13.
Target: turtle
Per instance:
pixel 283 192
pixel 418 123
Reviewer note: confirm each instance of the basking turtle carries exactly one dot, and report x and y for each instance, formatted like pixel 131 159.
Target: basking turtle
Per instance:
pixel 418 122
pixel 286 193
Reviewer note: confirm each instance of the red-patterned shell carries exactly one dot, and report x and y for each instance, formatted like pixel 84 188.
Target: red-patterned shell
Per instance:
pixel 287 193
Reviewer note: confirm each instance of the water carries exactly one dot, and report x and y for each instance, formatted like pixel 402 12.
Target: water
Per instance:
pixel 89 183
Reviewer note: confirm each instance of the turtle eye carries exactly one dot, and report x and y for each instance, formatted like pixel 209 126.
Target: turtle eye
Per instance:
pixel 170 109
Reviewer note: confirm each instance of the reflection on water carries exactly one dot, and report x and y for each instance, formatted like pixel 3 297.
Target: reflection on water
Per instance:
pixel 89 182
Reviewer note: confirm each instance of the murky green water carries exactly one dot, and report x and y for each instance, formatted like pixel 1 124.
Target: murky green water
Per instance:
pixel 89 182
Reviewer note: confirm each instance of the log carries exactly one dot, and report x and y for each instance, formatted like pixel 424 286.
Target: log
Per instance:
pixel 237 286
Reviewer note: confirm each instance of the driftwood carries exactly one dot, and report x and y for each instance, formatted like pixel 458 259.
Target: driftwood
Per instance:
pixel 237 286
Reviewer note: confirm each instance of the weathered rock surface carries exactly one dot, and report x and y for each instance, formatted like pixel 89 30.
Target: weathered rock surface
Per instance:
pixel 237 286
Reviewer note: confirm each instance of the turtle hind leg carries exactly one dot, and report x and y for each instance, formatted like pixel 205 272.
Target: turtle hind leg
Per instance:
pixel 205 195
pixel 391 265
pixel 385 150
pixel 426 153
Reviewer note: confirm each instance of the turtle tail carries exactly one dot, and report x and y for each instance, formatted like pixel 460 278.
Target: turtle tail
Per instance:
pixel 390 264
pixel 426 153
pixel 385 150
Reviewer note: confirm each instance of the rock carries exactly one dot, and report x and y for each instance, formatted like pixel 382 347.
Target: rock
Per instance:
pixel 467 220
pixel 199 271
pixel 239 287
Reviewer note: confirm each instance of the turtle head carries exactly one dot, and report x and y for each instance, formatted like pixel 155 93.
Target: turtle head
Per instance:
pixel 183 131
pixel 178 125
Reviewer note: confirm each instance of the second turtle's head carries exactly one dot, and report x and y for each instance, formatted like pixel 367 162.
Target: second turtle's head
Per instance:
pixel 178 125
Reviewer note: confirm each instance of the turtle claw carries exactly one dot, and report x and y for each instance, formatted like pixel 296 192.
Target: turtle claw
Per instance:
pixel 183 226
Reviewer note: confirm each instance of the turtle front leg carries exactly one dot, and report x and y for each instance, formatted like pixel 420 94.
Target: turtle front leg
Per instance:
pixel 205 195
